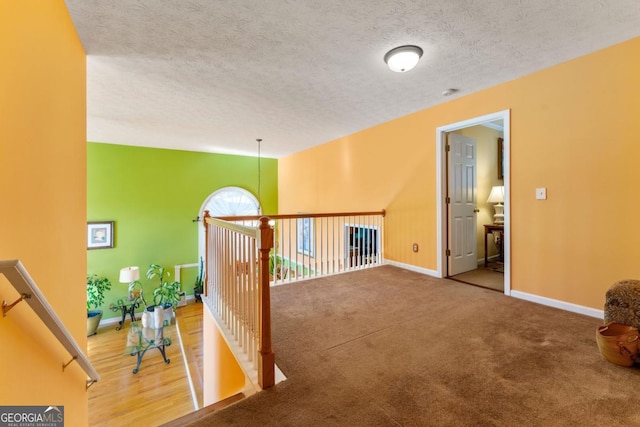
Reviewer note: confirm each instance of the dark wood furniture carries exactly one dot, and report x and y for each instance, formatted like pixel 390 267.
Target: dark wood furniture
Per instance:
pixel 490 229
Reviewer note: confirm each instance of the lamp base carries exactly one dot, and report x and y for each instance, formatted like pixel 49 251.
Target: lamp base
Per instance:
pixel 498 218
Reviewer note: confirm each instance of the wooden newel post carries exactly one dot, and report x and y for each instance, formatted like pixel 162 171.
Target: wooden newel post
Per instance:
pixel 206 253
pixel 266 365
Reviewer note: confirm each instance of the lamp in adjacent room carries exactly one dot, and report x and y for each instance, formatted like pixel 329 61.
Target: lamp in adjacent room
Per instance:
pixel 497 196
pixel 403 58
pixel 131 275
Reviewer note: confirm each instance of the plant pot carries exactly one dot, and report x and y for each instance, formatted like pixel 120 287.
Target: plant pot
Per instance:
pixel 93 321
pixel 618 343
pixel 146 319
pixel 197 292
pixel 168 313
pixel 158 317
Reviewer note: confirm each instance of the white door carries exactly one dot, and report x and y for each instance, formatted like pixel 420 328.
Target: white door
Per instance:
pixel 462 156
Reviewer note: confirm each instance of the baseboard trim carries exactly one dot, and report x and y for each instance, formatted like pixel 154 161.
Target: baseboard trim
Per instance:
pixel 562 305
pixel 410 267
pixel 492 258
pixel 567 306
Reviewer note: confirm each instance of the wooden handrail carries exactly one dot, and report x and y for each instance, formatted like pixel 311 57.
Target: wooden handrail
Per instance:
pixel 293 216
pixel 29 292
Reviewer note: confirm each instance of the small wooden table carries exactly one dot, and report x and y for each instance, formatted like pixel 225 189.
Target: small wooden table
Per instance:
pixel 489 229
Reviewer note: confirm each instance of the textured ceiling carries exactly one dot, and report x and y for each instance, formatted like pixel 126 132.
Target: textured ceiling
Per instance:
pixel 214 75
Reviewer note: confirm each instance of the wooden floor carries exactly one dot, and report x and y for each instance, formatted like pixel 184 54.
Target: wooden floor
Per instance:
pixel 159 392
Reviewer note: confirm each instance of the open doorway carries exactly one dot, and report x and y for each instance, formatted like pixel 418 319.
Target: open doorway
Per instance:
pixel 466 214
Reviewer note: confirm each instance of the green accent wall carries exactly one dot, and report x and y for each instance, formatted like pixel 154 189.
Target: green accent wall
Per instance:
pixel 153 195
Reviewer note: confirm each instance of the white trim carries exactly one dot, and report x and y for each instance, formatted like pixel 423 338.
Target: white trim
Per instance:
pixel 178 269
pixel 410 267
pixel 493 126
pixel 111 321
pixel 194 396
pixel 567 306
pixel 489 258
pixel 441 207
pixel 550 302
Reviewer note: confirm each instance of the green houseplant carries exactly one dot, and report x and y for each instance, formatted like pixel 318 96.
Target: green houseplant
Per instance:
pixel 167 294
pixel 135 292
pixel 96 287
pixel 198 286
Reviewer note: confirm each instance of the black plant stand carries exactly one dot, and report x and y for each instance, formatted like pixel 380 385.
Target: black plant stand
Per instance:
pixel 146 339
pixel 128 307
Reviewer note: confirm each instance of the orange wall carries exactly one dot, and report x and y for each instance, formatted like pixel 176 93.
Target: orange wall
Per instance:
pixel 573 130
pixel 223 376
pixel 43 215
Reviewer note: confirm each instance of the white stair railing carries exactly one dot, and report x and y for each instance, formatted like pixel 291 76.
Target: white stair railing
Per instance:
pixel 308 246
pixel 237 290
pixel 18 276
pixel 247 254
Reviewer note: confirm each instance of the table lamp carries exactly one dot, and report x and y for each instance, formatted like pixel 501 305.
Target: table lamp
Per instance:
pixel 131 275
pixel 497 196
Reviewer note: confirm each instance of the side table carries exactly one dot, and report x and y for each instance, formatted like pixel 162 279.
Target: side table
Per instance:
pixel 489 229
pixel 128 307
pixel 140 340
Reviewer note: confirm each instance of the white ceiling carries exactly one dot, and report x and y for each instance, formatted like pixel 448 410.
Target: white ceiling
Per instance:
pixel 214 75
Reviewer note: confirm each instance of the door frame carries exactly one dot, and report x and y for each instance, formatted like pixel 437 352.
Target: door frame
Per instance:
pixel 441 189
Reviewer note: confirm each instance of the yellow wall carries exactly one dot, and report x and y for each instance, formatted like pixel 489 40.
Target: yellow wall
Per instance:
pixel 43 215
pixel 487 167
pixel 573 130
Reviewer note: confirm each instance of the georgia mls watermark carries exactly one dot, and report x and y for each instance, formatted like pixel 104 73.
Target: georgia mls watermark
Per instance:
pixel 31 416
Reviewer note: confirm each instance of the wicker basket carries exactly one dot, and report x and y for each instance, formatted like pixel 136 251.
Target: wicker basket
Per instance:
pixel 618 343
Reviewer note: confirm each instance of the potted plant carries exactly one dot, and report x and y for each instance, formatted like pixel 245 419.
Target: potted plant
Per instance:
pixel 167 294
pixel 135 292
pixel 277 268
pixel 96 287
pixel 199 284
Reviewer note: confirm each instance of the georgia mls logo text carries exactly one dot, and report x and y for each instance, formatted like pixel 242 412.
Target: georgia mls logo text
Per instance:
pixel 31 416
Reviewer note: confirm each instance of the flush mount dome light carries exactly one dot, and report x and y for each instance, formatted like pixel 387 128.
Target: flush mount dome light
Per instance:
pixel 403 58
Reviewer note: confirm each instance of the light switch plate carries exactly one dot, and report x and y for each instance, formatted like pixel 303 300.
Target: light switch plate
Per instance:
pixel 541 193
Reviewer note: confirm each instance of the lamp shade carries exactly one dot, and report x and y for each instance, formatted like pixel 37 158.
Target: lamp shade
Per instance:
pixel 403 58
pixel 496 195
pixel 129 274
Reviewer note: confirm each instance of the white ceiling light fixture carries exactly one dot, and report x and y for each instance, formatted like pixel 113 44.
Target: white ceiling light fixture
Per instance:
pixel 403 58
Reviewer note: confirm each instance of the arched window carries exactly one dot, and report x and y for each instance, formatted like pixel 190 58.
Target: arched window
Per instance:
pixel 228 201
pixel 232 201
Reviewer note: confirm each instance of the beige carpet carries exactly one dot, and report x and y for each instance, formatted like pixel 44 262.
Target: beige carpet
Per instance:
pixel 390 347
pixel 486 277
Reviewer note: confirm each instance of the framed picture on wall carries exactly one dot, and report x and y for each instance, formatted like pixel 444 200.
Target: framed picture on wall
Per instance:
pixel 500 159
pixel 100 235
